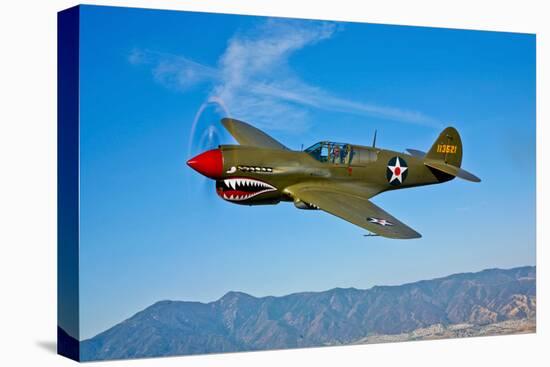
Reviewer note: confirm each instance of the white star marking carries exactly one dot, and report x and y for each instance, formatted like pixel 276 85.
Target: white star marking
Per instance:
pixel 382 222
pixel 397 171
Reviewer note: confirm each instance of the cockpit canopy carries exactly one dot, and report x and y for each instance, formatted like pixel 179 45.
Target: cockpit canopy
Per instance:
pixel 331 152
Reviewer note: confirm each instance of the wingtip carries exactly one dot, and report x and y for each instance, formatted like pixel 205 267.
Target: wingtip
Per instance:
pixel 231 123
pixel 413 236
pixel 229 120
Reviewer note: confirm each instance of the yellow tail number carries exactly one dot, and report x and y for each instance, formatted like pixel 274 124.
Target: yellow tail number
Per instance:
pixel 446 148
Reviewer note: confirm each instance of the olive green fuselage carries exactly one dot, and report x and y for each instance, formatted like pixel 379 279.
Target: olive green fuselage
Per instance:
pixel 367 168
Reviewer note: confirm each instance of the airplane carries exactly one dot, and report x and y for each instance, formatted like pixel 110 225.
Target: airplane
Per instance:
pixel 337 178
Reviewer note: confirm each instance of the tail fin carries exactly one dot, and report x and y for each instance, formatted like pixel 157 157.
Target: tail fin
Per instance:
pixel 447 148
pixel 445 157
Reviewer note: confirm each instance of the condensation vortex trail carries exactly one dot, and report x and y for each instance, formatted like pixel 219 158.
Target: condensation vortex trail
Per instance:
pixel 212 100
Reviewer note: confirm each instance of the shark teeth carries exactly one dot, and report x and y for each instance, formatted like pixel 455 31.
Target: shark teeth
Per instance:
pixel 248 188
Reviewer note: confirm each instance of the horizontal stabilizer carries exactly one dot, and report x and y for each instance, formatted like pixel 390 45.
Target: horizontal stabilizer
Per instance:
pixel 452 170
pixel 416 153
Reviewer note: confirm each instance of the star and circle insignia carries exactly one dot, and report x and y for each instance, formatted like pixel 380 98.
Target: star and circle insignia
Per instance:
pixel 397 171
pixel 379 221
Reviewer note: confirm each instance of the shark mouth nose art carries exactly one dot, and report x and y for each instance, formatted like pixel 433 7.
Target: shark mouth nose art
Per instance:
pixel 239 189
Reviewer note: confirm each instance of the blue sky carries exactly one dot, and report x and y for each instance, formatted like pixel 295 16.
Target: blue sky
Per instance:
pixel 153 229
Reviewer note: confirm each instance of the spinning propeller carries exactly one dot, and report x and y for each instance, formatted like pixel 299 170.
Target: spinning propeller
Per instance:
pixel 206 134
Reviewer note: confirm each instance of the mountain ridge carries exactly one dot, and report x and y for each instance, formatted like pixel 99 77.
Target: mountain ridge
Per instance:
pixel 238 321
pixel 354 288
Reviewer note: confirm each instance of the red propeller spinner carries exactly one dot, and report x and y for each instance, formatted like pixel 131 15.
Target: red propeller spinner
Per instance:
pixel 209 163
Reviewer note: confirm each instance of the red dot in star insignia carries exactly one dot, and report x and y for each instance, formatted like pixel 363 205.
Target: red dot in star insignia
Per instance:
pixel 397 171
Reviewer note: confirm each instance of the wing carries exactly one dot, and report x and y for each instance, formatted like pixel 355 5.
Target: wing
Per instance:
pixel 351 204
pixel 246 134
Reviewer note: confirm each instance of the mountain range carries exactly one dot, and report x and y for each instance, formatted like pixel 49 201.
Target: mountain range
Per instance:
pixel 240 322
